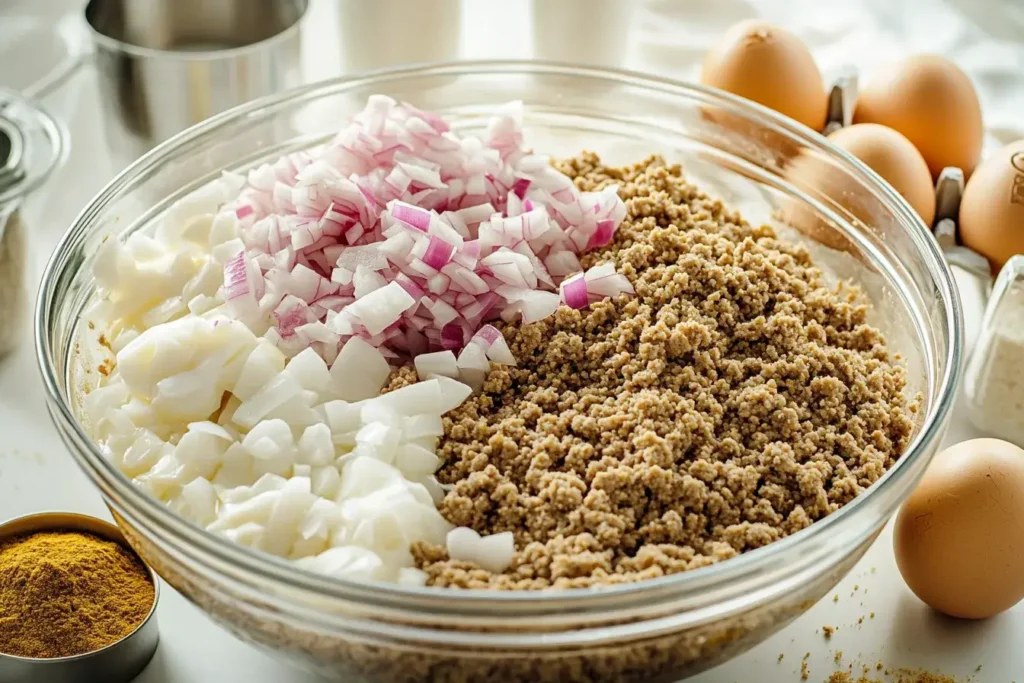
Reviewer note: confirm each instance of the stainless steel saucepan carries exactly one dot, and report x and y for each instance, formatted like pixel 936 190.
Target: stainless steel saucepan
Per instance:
pixel 164 65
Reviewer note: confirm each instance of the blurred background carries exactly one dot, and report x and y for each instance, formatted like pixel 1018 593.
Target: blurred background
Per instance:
pixel 39 38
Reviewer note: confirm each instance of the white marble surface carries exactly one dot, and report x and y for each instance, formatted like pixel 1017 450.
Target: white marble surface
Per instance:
pixel 666 36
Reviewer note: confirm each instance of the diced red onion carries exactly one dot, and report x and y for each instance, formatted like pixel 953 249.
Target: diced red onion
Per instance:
pixel 235 278
pixel 574 292
pixel 409 285
pixel 520 187
pixel 603 234
pixel 439 253
pixel 451 336
pixel 412 216
pixel 442 311
pixel 493 343
pixel 398 202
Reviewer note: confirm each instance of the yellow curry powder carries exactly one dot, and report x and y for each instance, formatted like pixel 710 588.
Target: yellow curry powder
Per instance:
pixel 65 593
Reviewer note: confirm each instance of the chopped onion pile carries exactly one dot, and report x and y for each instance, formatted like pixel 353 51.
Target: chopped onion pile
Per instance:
pixel 399 232
pixel 295 458
pixel 254 331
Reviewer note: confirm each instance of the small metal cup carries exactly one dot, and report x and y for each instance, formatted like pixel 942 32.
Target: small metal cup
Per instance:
pixel 118 662
pixel 164 65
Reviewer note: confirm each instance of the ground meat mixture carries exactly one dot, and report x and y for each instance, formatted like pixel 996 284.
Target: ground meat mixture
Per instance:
pixel 736 399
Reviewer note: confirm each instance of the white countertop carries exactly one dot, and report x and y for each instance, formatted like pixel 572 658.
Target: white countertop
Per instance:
pixel 36 472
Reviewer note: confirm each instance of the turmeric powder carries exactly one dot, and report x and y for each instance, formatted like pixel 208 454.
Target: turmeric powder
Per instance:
pixel 65 593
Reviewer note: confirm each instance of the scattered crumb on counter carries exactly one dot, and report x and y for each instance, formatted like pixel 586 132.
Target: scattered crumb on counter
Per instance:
pixel 840 677
pixel 892 676
pixel 828 631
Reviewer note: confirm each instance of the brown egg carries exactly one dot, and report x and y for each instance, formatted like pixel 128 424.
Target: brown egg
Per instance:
pixel 959 537
pixel 895 158
pixel 992 208
pixel 771 66
pixel 931 101
pixel 814 173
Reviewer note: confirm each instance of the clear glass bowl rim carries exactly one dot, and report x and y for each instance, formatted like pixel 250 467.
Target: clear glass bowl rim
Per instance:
pixel 278 571
pixel 47 143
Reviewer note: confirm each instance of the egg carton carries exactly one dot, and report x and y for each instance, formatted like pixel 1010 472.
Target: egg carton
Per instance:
pixel 949 188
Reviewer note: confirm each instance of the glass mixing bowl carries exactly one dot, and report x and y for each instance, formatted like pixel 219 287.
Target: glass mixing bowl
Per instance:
pixel 772 169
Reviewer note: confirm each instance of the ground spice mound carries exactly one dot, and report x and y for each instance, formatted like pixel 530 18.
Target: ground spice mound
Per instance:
pixel 736 399
pixel 65 593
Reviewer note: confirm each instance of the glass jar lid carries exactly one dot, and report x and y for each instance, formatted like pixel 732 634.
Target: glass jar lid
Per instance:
pixel 32 145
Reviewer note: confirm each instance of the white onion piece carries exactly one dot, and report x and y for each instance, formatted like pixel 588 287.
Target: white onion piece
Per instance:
pixel 200 452
pixel 493 553
pixel 281 389
pixel 473 366
pixel 287 514
pixel 265 362
pixel 413 399
pixel 416 461
pixel 268 439
pixel 103 399
pixel 197 502
pixel 437 363
pixel 359 371
pixel 213 429
pixel 410 576
pixel 310 369
pixel 325 481
pixel 381 307
pixel 349 562
pixel 453 393
pixel 315 445
pixel 419 426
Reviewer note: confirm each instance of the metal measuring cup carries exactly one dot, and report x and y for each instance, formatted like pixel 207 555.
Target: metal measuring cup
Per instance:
pixel 119 662
pixel 164 65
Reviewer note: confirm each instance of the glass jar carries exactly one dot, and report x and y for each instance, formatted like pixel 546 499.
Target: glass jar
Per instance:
pixel 994 381
pixel 31 145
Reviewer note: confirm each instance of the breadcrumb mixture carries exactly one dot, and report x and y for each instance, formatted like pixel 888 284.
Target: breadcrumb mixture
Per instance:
pixel 733 401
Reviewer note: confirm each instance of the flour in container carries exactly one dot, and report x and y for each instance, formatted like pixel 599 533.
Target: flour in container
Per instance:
pixel 994 377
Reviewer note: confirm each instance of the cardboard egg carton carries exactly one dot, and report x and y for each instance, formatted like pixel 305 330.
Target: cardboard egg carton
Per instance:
pixel 949 188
